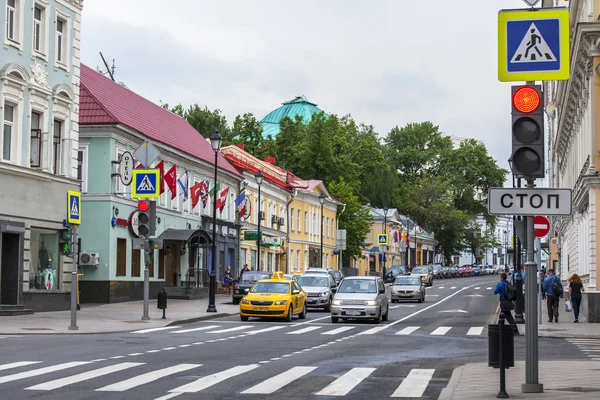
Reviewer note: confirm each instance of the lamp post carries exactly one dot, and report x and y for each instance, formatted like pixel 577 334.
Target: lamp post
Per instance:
pixel 505 250
pixel 215 142
pixel 259 180
pixel 385 210
pixel 322 201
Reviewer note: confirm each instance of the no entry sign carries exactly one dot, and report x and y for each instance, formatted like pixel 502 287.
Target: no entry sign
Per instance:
pixel 541 226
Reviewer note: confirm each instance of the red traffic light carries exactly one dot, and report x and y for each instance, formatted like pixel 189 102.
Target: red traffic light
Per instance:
pixel 526 99
pixel 143 206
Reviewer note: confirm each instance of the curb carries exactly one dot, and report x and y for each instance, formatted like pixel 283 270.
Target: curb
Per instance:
pixel 446 393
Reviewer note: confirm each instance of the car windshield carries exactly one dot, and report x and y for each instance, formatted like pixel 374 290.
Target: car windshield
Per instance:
pixel 420 270
pixel 316 271
pixel 315 281
pixel 406 280
pixel 358 286
pixel 252 277
pixel 271 287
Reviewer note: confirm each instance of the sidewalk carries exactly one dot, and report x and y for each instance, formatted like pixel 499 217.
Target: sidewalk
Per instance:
pixel 117 317
pixel 562 380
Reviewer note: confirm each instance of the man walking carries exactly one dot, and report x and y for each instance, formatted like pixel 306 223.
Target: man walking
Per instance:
pixel 506 305
pixel 553 289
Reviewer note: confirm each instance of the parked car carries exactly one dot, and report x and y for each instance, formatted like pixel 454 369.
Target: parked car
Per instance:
pixel 360 297
pixel 425 273
pixel 454 271
pixel 243 285
pixel 446 272
pixel 319 290
pixel 438 271
pixel 408 288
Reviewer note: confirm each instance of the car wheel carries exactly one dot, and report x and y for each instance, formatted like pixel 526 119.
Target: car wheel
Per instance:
pixel 290 315
pixel 328 306
pixel 302 315
pixel 334 320
pixel 387 313
pixel 377 319
pixel 394 301
pixel 243 318
pixel 420 299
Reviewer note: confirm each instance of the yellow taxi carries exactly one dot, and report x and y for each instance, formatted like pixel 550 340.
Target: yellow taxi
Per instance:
pixel 277 297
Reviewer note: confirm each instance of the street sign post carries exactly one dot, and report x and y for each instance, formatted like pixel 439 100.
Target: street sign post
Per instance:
pixel 533 44
pixel 382 239
pixel 541 226
pixel 529 201
pixel 146 183
pixel 73 207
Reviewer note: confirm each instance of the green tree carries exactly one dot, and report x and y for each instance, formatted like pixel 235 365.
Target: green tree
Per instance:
pixel 247 130
pixel 203 120
pixel 476 240
pixel 178 109
pixel 291 143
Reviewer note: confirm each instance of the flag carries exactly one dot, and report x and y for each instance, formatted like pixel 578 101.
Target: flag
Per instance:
pixel 184 184
pixel 222 200
pixel 170 180
pixel 161 167
pixel 212 191
pixel 204 192
pixel 195 192
pixel 245 209
pixel 395 236
pixel 240 199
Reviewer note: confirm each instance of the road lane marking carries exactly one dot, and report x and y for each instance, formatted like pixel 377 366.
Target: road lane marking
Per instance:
pixel 304 330
pixel 371 331
pixel 441 287
pixel 477 288
pixel 69 380
pixel 408 330
pixel 275 383
pixel 453 287
pixel 17 364
pixel 415 384
pixel 213 379
pixel 147 378
pixel 338 330
pixel 164 328
pixel 313 320
pixel 488 288
pixel 475 331
pixel 442 330
pixel 41 371
pixel 272 328
pixel 345 383
pixel 235 328
pixel 202 328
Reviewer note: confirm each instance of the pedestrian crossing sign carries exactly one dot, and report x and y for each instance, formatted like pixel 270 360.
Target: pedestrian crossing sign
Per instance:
pixel 533 44
pixel 382 239
pixel 146 183
pixel 73 207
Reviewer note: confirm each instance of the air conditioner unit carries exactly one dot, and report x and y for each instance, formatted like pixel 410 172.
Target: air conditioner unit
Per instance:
pixel 261 215
pixel 274 219
pixel 281 221
pixel 89 259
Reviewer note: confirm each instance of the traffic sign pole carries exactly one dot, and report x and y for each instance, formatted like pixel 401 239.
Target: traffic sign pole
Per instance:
pixel 74 286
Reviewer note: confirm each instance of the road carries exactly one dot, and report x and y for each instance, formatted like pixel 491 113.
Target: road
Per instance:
pixel 410 356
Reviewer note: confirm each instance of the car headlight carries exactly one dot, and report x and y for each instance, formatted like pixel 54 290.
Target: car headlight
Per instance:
pixel 338 302
pixel 370 303
pixel 324 293
pixel 416 291
pixel 280 302
pixel 244 301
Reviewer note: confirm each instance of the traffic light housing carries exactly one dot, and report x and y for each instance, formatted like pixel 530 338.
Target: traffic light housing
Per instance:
pixel 528 159
pixel 65 242
pixel 146 218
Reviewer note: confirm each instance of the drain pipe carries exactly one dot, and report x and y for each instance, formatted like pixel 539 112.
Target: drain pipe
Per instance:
pixel 340 266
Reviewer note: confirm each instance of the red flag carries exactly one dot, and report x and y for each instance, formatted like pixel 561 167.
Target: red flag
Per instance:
pixel 195 193
pixel 222 200
pixel 170 180
pixel 161 167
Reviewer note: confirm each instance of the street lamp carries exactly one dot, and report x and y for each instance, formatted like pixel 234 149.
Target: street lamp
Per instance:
pixel 259 180
pixel 322 200
pixel 215 142
pixel 505 250
pixel 385 210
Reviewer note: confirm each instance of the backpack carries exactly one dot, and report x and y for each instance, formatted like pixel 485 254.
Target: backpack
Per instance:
pixel 510 292
pixel 556 288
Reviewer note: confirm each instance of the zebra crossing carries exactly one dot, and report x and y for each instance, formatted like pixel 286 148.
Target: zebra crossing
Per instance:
pixel 590 347
pixel 325 330
pixel 127 376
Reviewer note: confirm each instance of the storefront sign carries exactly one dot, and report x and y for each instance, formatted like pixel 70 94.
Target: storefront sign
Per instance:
pixel 120 222
pixel 125 168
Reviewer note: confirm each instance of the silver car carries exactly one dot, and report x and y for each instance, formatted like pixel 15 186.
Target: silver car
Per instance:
pixel 408 288
pixel 360 297
pixel 319 290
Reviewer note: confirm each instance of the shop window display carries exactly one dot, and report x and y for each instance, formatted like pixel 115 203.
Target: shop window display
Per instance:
pixel 44 264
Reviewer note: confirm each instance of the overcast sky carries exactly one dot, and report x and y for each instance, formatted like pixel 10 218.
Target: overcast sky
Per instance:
pixel 385 62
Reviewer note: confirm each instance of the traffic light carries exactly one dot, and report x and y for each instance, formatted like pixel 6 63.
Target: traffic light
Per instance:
pixel 146 218
pixel 528 158
pixel 64 242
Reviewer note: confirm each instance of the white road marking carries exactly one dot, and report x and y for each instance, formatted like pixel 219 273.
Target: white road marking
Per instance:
pixel 441 287
pixel 18 364
pixel 392 307
pixel 415 383
pixel 235 328
pixel 372 331
pixel 313 320
pixel 488 288
pixel 211 380
pixel 477 288
pixel 442 330
pixel 475 331
pixel 116 357
pixel 304 330
pixel 453 287
pixel 146 378
pixel 338 330
pixel 164 328
pixel 278 381
pixel 168 396
pixel 408 330
pixel 433 295
pixel 135 354
pixel 41 371
pixel 153 351
pixel 272 328
pixel 202 328
pixel 345 383
pixel 84 376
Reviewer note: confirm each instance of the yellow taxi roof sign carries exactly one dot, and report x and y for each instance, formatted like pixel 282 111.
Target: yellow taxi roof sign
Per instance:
pixel 278 275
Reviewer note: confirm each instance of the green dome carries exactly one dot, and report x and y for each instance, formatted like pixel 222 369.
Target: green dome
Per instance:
pixel 298 106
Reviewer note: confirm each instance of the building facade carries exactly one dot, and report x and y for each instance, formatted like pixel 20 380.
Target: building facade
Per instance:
pixel 39 97
pixel 114 121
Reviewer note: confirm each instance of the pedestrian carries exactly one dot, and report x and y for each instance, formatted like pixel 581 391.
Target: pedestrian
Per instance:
pixel 506 305
pixel 244 269
pixel 228 279
pixel 553 289
pixel 575 289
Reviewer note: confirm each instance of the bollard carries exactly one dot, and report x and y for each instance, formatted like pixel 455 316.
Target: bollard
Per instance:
pixel 162 301
pixel 502 393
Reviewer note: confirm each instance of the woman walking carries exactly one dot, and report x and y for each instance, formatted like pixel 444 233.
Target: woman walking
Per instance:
pixel 575 289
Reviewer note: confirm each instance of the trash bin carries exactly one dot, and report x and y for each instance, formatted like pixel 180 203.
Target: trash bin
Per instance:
pixel 494 346
pixel 162 299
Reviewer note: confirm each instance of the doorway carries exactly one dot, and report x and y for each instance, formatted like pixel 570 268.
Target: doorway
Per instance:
pixel 9 268
pixel 172 258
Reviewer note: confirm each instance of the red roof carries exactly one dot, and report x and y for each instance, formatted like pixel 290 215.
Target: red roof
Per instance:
pixel 246 167
pixel 104 102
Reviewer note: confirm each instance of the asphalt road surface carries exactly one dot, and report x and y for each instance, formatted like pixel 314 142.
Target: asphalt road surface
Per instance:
pixel 410 356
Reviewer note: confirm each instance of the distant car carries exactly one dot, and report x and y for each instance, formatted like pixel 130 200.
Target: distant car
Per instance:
pixel 438 272
pixel 425 273
pixel 243 285
pixel 338 276
pixel 360 297
pixel 408 288
pixel 319 290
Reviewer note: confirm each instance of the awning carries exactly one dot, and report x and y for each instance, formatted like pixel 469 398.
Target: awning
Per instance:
pixel 186 235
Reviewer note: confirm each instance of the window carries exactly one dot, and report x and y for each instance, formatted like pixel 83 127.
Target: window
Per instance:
pixel 35 150
pixel 298 226
pixel 135 262
pixel 60 41
pixel 292 220
pixel 56 140
pixel 314 224
pixel 82 157
pixel 305 221
pixel 121 257
pixel 37 29
pixel 11 17
pixel 327 227
pixel 7 137
pixel 297 260
pixel 45 260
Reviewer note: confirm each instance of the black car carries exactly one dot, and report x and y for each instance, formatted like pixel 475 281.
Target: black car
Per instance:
pixel 243 285
pixel 394 271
